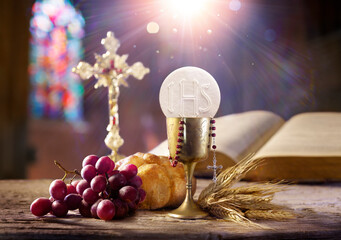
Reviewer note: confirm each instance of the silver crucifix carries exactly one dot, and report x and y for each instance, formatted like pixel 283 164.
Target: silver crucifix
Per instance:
pixel 215 168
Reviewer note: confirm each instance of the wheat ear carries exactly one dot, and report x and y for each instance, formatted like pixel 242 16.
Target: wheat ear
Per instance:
pixel 241 204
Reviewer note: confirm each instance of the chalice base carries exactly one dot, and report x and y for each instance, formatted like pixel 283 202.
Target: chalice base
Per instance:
pixel 188 210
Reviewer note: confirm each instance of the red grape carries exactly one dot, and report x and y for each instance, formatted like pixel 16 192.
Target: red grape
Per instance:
pixel 129 171
pixel 40 207
pixel 98 183
pixel 75 182
pixel 117 181
pixel 72 201
pixel 128 193
pixel 59 208
pixel 81 186
pixel 112 173
pixel 70 189
pixel 93 208
pixel 112 166
pixel 58 189
pixel 121 208
pixel 90 196
pixel 142 194
pixel 104 165
pixel 84 209
pixel 89 160
pixel 103 192
pixel 136 181
pixel 106 210
pixel 132 206
pixel 88 172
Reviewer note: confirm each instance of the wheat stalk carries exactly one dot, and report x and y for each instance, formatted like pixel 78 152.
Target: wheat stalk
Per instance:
pixel 269 214
pixel 240 204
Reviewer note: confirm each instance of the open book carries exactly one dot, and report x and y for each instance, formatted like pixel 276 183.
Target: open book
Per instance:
pixel 305 148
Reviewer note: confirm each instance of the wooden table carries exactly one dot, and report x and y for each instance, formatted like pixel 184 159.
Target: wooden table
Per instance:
pixel 318 206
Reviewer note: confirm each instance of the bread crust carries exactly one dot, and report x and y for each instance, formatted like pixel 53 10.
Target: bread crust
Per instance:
pixel 165 185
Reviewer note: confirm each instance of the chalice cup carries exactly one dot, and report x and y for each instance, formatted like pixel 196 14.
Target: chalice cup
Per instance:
pixel 195 145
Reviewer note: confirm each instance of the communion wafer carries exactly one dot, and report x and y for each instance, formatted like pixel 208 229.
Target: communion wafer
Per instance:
pixel 189 92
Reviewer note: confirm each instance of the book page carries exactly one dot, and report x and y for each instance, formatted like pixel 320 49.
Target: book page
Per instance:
pixel 243 133
pixel 306 149
pixel 306 134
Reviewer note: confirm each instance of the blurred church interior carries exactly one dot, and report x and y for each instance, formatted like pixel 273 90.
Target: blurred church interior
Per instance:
pixel 278 55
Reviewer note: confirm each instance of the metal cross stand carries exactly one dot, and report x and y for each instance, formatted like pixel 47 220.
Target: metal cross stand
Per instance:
pixel 111 70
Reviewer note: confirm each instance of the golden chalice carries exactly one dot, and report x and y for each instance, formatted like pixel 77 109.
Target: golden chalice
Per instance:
pixel 189 98
pixel 195 145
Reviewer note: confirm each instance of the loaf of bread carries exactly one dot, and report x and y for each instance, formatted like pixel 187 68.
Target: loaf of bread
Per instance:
pixel 165 185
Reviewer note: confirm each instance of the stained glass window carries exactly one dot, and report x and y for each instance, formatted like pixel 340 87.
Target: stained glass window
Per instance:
pixel 55 47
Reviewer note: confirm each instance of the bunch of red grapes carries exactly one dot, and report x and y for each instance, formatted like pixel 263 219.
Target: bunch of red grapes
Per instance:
pixel 103 192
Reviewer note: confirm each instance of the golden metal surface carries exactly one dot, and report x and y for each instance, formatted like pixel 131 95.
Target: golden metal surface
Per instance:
pixel 195 148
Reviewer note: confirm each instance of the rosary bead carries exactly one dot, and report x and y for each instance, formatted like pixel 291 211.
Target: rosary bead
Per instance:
pixel 182 122
pixel 175 162
pixel 214 146
pixel 177 157
pixel 181 128
pixel 177 152
pixel 180 134
pixel 213 134
pixel 178 146
pixel 180 140
pixel 212 121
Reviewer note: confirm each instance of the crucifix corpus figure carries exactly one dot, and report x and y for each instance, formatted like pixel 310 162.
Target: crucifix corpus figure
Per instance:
pixel 111 70
pixel 215 168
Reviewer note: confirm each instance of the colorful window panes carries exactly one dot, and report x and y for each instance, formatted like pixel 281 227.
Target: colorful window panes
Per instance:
pixel 55 47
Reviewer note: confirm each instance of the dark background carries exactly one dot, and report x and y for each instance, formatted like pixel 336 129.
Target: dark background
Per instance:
pixel 281 56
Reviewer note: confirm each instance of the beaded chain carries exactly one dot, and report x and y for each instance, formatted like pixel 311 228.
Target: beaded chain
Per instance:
pixel 179 144
pixel 214 147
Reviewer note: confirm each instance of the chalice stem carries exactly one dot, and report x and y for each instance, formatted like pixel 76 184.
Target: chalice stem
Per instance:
pixel 189 170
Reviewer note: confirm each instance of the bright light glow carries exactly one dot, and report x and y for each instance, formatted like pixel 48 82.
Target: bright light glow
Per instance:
pixel 153 28
pixel 186 8
pixel 235 5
